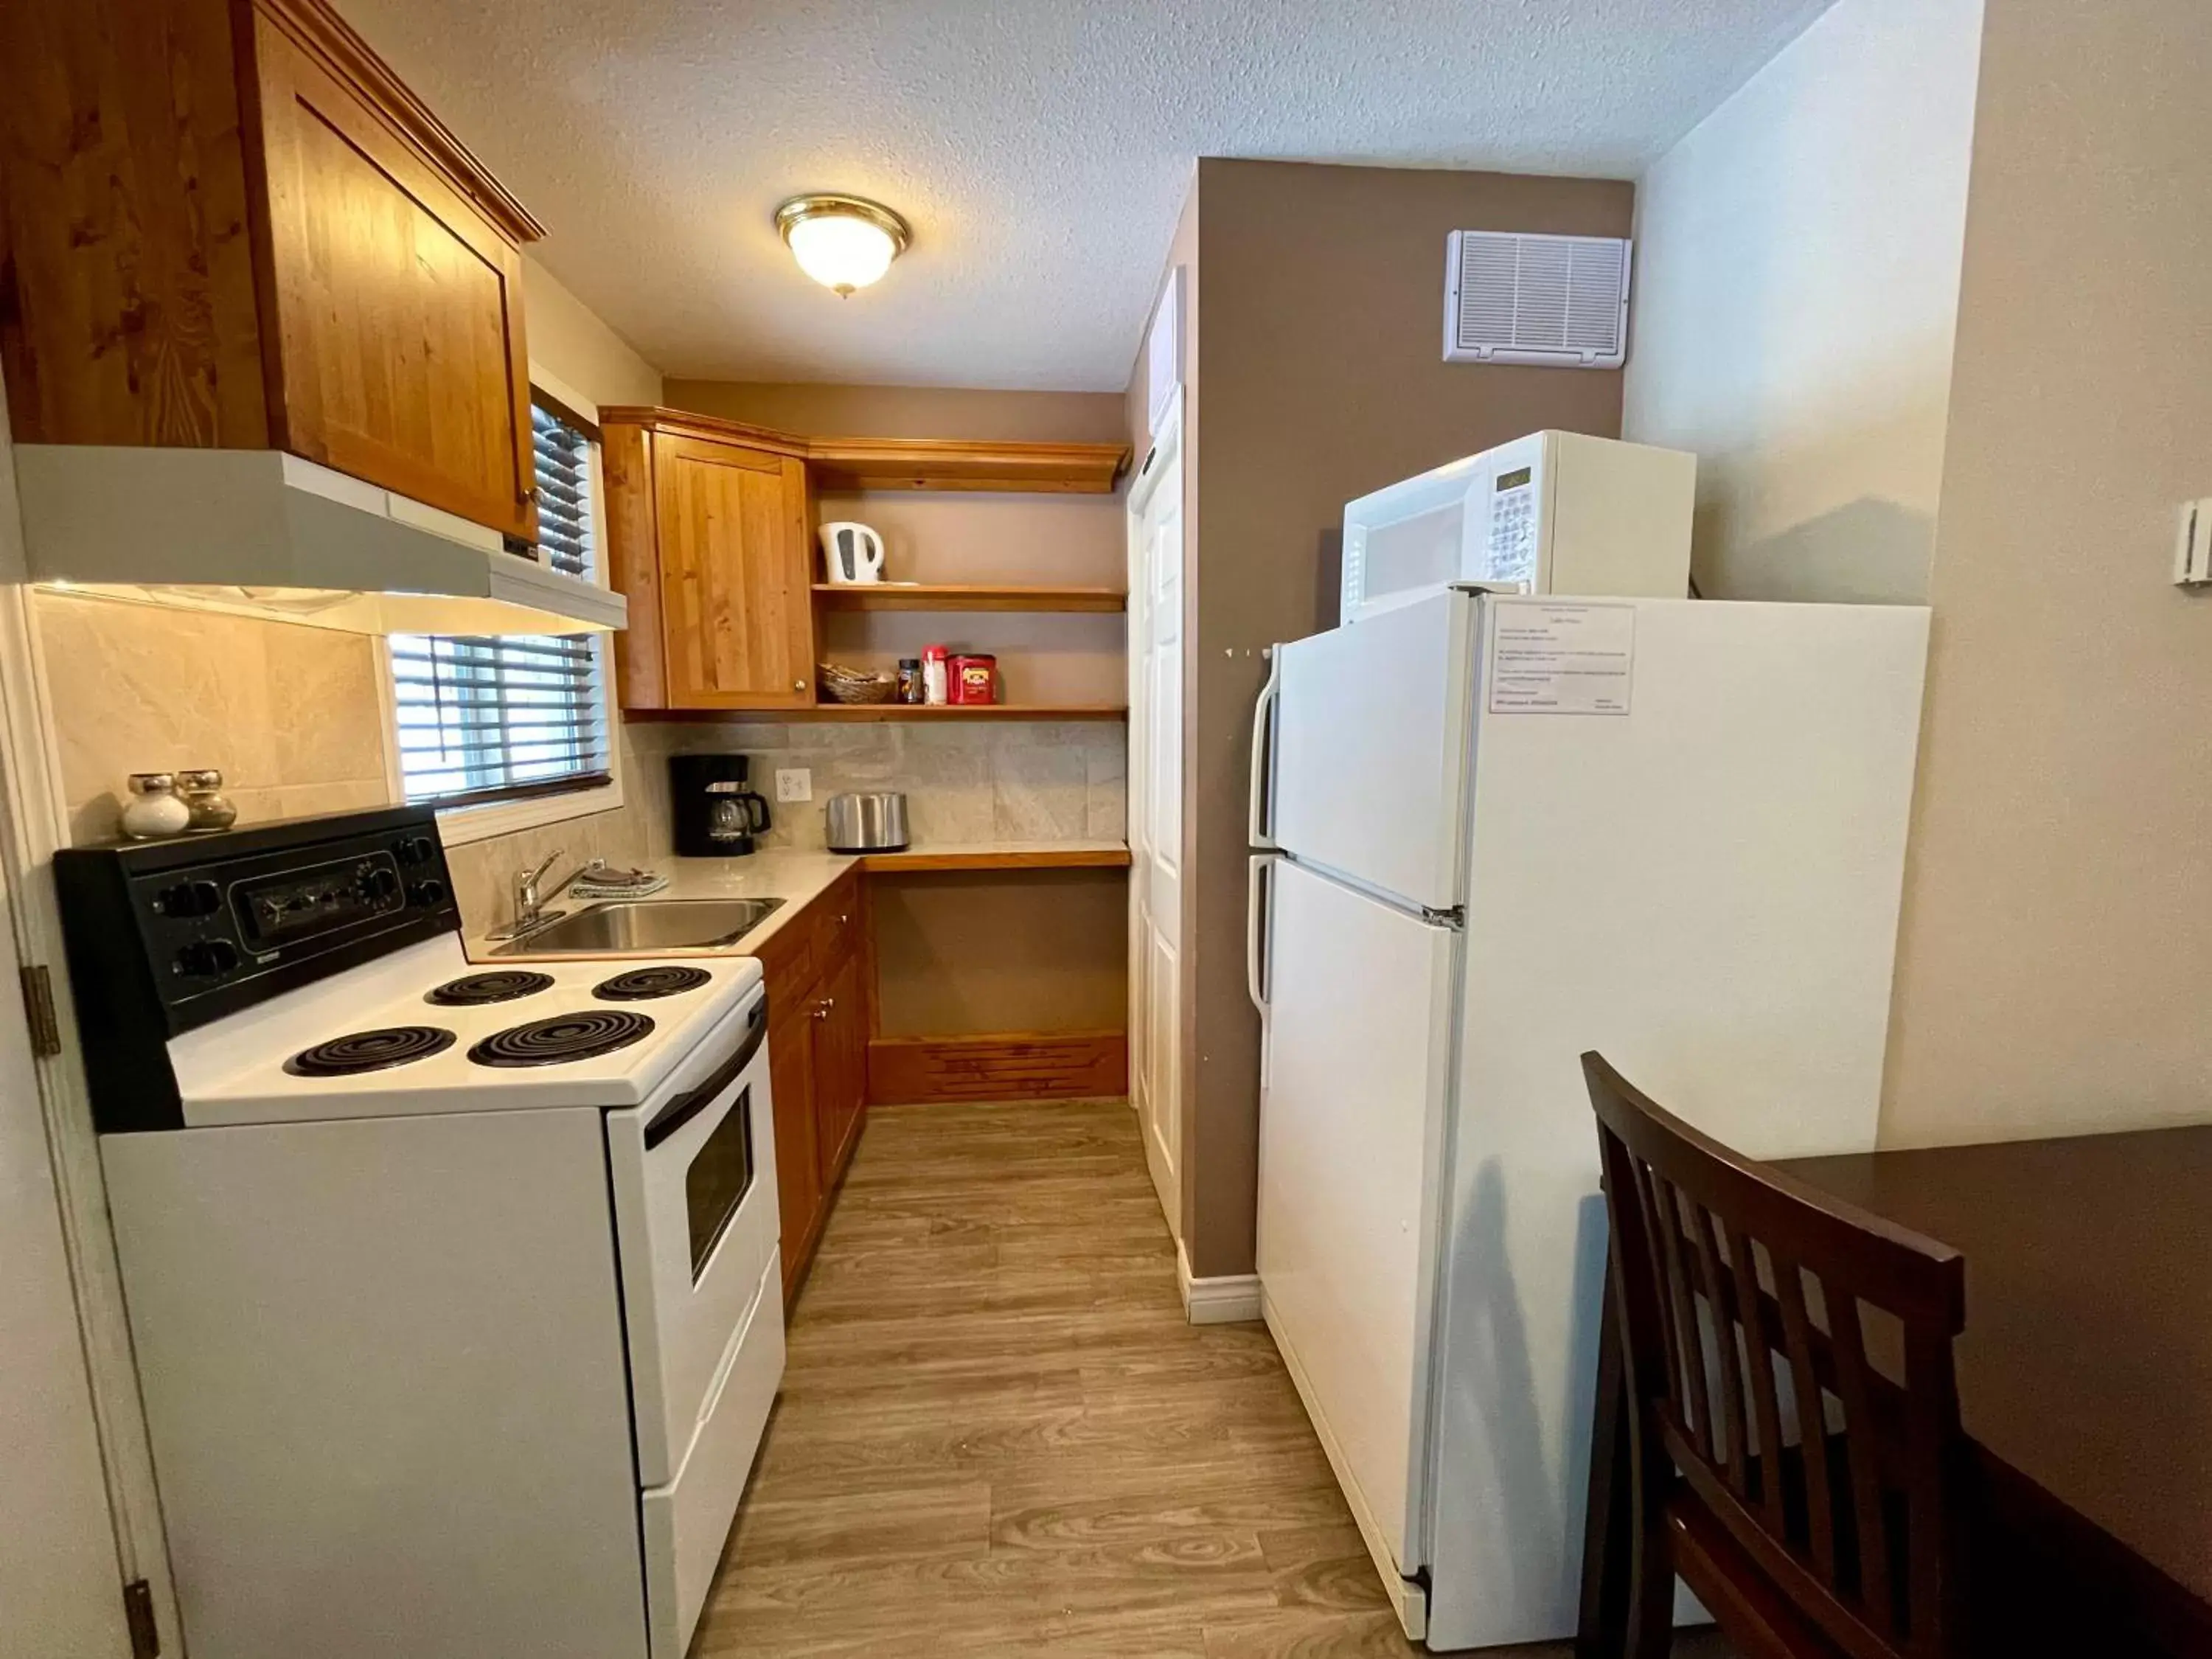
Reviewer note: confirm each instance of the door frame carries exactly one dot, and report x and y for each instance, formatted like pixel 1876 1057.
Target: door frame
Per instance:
pixel 33 825
pixel 1165 454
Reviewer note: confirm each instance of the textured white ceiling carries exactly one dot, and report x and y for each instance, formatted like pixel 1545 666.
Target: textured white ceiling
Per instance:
pixel 1040 148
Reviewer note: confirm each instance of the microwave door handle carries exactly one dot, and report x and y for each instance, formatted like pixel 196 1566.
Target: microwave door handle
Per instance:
pixel 1261 825
pixel 1258 896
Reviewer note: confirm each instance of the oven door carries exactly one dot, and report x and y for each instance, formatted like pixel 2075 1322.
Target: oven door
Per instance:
pixel 694 1174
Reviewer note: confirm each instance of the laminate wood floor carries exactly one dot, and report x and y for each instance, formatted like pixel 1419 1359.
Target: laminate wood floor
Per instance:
pixel 998 1435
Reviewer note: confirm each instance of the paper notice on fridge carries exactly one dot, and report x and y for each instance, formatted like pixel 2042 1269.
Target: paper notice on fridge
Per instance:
pixel 1562 659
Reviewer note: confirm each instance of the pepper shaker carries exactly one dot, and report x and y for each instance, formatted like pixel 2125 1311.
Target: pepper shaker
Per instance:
pixel 210 807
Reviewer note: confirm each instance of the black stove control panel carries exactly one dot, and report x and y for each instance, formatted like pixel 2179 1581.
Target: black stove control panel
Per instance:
pixel 166 936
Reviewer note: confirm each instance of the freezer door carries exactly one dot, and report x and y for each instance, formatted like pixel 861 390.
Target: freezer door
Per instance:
pixel 1370 750
pixel 1359 998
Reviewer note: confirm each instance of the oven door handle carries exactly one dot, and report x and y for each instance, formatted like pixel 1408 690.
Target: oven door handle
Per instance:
pixel 689 1104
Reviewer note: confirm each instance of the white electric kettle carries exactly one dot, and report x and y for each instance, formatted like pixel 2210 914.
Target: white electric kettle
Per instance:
pixel 852 552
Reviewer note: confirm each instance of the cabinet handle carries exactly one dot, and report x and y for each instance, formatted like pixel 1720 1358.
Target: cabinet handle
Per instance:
pixel 799 686
pixel 842 919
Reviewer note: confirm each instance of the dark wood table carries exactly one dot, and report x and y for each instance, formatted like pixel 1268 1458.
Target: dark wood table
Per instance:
pixel 2085 1371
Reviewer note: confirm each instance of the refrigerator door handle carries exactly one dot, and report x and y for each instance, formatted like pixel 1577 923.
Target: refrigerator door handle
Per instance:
pixel 1256 896
pixel 1263 824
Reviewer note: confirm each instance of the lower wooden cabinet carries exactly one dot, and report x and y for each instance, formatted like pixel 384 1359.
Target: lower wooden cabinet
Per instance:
pixel 818 1038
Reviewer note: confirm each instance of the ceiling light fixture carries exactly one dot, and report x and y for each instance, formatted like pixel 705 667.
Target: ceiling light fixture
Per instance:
pixel 843 242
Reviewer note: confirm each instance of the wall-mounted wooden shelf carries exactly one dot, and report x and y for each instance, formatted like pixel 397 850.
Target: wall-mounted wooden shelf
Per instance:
pixel 905 463
pixel 1076 857
pixel 954 712
pixel 960 464
pixel 964 596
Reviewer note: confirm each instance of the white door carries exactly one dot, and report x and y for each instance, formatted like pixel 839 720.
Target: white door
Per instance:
pixel 1156 641
pixel 60 1587
pixel 60 1578
pixel 1361 998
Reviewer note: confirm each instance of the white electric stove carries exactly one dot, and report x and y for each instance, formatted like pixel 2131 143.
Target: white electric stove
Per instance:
pixel 454 1290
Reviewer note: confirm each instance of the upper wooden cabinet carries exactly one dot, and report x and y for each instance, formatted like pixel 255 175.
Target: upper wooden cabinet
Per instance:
pixel 228 224
pixel 710 540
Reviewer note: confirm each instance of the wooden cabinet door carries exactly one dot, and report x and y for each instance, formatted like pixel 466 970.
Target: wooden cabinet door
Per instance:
pixel 797 1167
pixel 839 1065
pixel 735 570
pixel 399 305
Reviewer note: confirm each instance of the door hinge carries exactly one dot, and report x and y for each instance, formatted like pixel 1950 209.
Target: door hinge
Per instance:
pixel 138 1613
pixel 39 1007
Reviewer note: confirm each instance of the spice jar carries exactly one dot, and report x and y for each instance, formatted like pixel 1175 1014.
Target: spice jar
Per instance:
pixel 204 798
pixel 909 679
pixel 154 809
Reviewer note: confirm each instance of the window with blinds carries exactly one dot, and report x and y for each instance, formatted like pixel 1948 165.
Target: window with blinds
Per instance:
pixel 489 719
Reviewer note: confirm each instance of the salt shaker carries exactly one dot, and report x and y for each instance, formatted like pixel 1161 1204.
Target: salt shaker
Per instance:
pixel 210 807
pixel 155 809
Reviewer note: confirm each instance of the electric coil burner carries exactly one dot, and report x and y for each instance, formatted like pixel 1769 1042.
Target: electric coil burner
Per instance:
pixel 503 985
pixel 369 1051
pixel 564 1037
pixel 644 984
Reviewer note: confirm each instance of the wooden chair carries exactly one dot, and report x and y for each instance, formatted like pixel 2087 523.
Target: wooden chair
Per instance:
pixel 1809 1497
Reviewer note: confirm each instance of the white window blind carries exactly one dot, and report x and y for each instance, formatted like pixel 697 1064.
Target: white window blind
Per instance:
pixel 489 719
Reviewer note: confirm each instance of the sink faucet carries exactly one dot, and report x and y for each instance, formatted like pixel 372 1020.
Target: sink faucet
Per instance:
pixel 531 894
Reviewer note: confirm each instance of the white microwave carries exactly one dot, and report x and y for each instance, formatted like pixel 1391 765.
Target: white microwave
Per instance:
pixel 1552 513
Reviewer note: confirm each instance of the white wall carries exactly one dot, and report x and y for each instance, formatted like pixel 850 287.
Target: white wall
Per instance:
pixel 1797 285
pixel 2058 936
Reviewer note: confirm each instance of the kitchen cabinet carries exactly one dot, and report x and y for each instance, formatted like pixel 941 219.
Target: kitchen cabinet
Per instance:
pixel 230 225
pixel 710 537
pixel 819 1023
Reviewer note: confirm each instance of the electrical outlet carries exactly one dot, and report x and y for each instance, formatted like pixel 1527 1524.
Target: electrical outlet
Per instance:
pixel 794 783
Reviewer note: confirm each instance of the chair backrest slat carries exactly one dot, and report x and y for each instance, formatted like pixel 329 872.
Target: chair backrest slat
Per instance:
pixel 1840 1493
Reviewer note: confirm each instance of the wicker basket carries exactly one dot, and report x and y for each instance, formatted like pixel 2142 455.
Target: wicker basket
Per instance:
pixel 840 684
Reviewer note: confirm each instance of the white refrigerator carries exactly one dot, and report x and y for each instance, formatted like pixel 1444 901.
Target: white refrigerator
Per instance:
pixel 1497 832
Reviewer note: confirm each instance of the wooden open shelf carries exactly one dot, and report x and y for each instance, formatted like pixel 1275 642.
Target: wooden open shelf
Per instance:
pixel 905 463
pixel 958 463
pixel 896 711
pixel 1000 858
pixel 964 596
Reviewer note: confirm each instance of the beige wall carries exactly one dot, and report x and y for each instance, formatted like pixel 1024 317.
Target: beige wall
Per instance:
pixel 2057 934
pixel 1797 289
pixel 568 340
pixel 1318 342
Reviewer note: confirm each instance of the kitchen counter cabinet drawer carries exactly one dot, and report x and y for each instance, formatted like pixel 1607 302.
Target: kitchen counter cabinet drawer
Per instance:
pixel 272 244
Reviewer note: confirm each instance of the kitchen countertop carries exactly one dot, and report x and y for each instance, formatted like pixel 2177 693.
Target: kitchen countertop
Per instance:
pixel 796 876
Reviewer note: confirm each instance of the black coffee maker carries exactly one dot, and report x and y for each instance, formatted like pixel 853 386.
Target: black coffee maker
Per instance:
pixel 716 816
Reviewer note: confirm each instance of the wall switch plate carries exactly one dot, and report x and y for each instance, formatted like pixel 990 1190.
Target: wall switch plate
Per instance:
pixel 794 783
pixel 2192 550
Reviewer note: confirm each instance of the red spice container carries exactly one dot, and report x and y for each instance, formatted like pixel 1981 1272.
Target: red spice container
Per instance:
pixel 974 678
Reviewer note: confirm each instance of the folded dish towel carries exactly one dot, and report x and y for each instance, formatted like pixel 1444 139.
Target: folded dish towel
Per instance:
pixel 599 882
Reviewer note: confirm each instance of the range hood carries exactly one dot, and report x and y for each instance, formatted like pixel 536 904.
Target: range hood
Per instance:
pixel 259 532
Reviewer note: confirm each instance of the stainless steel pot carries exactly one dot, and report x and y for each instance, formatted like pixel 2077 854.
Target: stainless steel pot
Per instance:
pixel 867 823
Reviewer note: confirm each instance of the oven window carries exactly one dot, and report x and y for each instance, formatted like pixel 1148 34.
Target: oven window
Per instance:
pixel 719 1176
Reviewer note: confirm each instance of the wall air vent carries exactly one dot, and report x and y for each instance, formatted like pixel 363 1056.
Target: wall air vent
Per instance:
pixel 1559 301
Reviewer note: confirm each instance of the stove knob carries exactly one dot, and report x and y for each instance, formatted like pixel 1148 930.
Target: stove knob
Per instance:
pixel 416 849
pixel 207 958
pixel 428 894
pixel 189 898
pixel 379 884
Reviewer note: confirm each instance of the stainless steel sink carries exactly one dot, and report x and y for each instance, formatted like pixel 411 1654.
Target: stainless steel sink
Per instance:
pixel 627 924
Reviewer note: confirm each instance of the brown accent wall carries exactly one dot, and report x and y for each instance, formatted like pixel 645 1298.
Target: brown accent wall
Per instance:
pixel 1000 950
pixel 907 411
pixel 1320 349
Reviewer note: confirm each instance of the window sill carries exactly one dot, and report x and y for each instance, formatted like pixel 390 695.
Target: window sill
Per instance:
pixel 457 826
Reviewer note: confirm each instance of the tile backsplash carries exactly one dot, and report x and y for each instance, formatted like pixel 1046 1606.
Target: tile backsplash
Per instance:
pixel 291 716
pixel 288 714
pixel 1012 780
